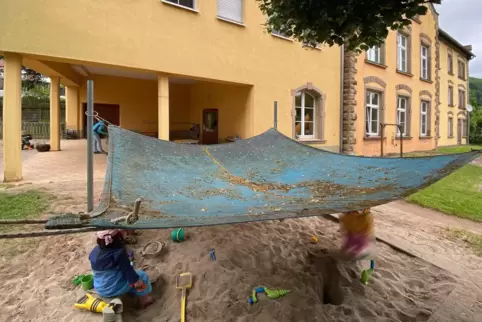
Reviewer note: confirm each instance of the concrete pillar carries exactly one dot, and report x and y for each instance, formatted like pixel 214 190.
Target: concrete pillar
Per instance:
pixel 55 113
pixel 72 113
pixel 12 118
pixel 163 107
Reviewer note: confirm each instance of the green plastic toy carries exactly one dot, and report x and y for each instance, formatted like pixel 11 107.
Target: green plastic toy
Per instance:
pixel 272 294
pixel 365 275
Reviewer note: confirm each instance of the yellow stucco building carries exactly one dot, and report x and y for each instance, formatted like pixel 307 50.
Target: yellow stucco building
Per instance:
pixel 405 82
pixel 454 90
pixel 206 70
pixel 161 67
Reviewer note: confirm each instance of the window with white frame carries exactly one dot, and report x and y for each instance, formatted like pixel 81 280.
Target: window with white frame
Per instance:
pixel 372 115
pixel 451 95
pixel 402 109
pixel 184 3
pixel 374 54
pixel 305 120
pixel 402 53
pixel 231 10
pixel 280 34
pixel 424 119
pixel 424 62
pixel 451 127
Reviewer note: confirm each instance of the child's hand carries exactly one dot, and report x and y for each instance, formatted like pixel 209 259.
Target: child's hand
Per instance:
pixel 139 285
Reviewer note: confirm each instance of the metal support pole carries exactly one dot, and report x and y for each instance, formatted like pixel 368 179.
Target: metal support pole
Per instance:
pixel 275 115
pixel 382 130
pixel 90 152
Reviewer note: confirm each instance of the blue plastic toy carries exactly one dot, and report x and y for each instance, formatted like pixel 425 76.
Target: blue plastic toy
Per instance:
pixel 212 254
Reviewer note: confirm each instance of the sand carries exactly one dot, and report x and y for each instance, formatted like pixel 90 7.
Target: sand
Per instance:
pixel 37 276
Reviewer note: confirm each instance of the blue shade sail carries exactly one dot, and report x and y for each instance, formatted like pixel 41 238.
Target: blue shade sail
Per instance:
pixel 265 177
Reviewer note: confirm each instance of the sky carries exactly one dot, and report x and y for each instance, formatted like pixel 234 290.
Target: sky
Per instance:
pixel 462 19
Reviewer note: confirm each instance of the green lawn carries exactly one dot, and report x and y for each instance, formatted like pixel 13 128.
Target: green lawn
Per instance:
pixel 457 194
pixel 22 205
pixel 458 149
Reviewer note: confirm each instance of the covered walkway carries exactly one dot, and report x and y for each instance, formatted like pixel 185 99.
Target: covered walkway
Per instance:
pixel 170 107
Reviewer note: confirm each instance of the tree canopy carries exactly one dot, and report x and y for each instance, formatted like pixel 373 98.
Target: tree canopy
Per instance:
pixel 358 24
pixel 30 78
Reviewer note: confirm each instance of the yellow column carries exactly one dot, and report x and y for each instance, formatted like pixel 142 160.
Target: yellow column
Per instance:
pixel 55 113
pixel 163 107
pixel 12 118
pixel 72 113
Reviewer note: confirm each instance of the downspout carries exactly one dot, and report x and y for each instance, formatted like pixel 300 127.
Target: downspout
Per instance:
pixel 467 140
pixel 342 89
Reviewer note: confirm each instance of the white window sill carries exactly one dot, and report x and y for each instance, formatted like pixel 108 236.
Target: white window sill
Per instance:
pixel 231 21
pixel 282 37
pixel 179 6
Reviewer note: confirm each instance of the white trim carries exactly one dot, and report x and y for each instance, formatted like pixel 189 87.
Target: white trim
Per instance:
pixel 402 48
pixel 371 54
pixel 422 116
pixel 231 21
pixel 399 110
pixel 424 58
pixel 280 36
pixel 181 6
pixel 368 116
pixel 302 122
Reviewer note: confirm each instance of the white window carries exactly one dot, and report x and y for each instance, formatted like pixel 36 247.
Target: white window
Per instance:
pixel 424 62
pixel 231 10
pixel 402 42
pixel 374 55
pixel 424 118
pixel 305 116
pixel 372 124
pixel 402 105
pixel 280 34
pixel 451 127
pixel 184 3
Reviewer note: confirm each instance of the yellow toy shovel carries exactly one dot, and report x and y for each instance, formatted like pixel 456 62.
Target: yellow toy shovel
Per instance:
pixel 183 282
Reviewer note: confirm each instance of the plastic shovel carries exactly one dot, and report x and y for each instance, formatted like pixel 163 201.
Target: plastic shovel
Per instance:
pixel 183 282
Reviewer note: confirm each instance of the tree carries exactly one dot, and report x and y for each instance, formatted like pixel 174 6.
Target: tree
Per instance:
pixel 357 24
pixel 30 78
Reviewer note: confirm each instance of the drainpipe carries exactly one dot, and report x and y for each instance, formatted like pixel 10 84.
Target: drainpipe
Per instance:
pixel 467 140
pixel 341 95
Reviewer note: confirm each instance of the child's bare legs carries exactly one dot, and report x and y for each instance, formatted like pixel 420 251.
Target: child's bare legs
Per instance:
pixel 145 301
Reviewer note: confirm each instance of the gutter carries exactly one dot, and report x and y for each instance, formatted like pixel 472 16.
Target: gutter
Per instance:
pixel 341 95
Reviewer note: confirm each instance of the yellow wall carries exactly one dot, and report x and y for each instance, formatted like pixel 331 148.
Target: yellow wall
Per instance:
pixel 445 109
pixel 392 78
pixel 155 36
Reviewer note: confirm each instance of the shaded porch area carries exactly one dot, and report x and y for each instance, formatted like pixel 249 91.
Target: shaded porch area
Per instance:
pixel 169 107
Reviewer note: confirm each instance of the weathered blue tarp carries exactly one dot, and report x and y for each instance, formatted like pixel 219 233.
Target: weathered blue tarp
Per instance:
pixel 266 177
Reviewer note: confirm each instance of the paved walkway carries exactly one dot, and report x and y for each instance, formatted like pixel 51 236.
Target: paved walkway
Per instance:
pixel 70 164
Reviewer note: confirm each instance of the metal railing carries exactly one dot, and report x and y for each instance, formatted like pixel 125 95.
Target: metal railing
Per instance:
pixel 38 130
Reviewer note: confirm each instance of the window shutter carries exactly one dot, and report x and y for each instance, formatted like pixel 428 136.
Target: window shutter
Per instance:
pixel 231 10
pixel 320 119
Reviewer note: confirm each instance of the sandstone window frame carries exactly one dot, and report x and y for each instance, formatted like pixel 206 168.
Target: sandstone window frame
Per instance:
pixel 450 63
pixel 371 55
pixel 451 95
pixel 370 93
pixel 403 108
pixel 425 74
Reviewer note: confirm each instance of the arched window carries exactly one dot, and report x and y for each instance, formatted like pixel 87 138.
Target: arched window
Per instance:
pixel 308 113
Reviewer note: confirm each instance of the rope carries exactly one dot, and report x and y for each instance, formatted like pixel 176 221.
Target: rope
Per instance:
pixel 98 118
pixel 49 233
pixel 23 221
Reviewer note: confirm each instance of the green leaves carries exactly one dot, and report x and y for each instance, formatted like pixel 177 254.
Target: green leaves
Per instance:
pixel 359 24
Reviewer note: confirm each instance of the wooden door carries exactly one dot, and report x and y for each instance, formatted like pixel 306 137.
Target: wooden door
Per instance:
pixel 459 131
pixel 210 126
pixel 109 112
